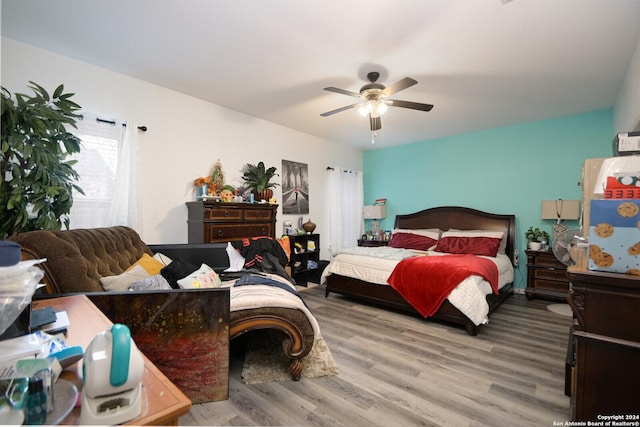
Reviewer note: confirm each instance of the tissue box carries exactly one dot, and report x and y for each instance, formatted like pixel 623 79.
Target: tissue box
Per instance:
pixel 614 236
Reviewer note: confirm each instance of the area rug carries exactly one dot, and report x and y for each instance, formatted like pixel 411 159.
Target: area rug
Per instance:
pixel 264 361
pixel 561 309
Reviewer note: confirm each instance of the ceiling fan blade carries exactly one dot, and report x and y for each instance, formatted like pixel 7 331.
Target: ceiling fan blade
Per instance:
pixel 399 85
pixel 409 104
pixel 338 110
pixel 375 123
pixel 342 91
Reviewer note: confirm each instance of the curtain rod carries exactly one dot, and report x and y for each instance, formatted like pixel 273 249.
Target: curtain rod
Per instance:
pixel 112 122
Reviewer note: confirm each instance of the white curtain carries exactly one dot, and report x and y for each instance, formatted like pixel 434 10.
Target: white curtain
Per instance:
pixel 345 216
pixel 123 209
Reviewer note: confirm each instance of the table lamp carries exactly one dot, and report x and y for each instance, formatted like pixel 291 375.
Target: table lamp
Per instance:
pixel 374 212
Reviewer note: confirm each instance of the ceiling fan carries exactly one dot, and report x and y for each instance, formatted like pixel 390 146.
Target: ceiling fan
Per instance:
pixel 374 100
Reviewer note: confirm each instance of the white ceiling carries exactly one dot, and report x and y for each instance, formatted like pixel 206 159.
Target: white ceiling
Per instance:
pixel 482 63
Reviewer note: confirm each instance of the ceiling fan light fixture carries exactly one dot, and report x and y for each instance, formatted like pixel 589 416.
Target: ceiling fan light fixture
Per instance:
pixel 382 108
pixel 373 108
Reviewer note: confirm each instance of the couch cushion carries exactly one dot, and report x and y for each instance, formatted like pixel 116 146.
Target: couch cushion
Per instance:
pixel 77 259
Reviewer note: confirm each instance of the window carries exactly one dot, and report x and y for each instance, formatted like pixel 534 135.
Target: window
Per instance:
pixel 97 166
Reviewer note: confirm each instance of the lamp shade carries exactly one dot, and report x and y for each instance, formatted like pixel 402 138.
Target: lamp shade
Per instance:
pixel 560 209
pixel 374 212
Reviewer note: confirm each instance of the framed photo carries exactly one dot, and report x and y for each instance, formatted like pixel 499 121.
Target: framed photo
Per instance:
pixel 295 188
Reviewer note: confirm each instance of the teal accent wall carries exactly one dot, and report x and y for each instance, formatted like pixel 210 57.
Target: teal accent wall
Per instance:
pixel 507 170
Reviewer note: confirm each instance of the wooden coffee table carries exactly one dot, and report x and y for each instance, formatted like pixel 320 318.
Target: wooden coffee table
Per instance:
pixel 163 402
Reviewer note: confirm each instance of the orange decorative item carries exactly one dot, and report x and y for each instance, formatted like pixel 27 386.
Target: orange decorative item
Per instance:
pixel 309 226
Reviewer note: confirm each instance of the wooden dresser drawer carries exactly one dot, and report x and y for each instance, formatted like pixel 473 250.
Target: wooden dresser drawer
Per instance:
pixel 551 273
pixel 552 285
pixel 226 232
pixel 257 214
pixel 223 214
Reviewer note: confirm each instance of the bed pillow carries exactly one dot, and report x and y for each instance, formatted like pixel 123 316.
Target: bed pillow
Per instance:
pixel 122 281
pixel 472 243
pixel 149 263
pixel 433 233
pixel 411 241
pixel 204 277
pixel 502 249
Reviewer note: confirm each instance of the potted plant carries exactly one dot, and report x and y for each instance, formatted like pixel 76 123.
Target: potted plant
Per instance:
pixel 536 238
pixel 37 176
pixel 257 178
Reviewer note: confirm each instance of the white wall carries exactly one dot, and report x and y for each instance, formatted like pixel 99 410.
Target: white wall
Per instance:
pixel 186 136
pixel 627 108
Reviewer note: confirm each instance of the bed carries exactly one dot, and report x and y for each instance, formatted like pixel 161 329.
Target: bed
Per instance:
pixel 355 283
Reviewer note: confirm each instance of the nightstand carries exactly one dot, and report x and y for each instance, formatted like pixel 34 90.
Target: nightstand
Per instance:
pixel 372 243
pixel 546 276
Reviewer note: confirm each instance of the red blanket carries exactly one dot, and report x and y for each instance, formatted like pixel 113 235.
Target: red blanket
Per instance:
pixel 426 281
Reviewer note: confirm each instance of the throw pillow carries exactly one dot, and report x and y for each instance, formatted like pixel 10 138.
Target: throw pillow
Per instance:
pixel 122 281
pixel 150 283
pixel 204 277
pixel 146 261
pixel 411 241
pixel 165 260
pixel 176 271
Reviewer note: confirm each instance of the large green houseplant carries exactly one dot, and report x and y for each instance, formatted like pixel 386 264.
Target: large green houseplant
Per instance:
pixel 37 176
pixel 257 178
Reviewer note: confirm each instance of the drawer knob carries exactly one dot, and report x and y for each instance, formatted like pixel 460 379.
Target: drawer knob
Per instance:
pixel 220 233
pixel 226 213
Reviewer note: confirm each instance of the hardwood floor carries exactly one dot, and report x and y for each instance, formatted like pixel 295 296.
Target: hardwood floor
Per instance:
pixel 399 370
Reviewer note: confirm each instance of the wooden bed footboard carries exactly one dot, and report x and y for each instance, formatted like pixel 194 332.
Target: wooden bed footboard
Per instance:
pixel 298 335
pixel 386 296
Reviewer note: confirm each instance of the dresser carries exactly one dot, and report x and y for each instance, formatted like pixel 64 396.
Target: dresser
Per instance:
pixel 546 276
pixel 606 344
pixel 211 221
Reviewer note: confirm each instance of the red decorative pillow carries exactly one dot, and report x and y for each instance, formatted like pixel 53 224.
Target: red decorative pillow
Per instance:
pixel 487 246
pixel 411 241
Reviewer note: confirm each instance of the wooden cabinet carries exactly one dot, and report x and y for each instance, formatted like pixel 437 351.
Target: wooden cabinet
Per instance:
pixel 606 350
pixel 546 276
pixel 211 221
pixel 305 258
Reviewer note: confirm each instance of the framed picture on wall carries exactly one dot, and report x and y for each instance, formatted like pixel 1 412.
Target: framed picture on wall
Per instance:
pixel 295 188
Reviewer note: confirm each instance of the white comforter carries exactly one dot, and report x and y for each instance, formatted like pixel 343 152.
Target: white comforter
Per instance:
pixel 257 296
pixel 374 265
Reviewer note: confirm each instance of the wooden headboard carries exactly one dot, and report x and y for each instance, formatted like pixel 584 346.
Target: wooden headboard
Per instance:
pixel 461 218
